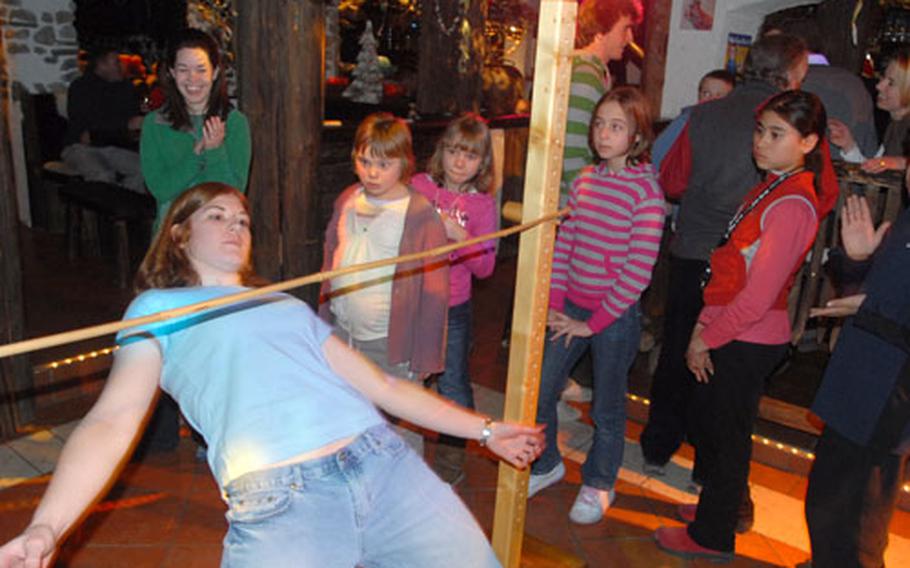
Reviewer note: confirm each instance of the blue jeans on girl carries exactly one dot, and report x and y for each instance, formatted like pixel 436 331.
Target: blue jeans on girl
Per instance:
pixel 613 351
pixel 454 383
pixel 373 504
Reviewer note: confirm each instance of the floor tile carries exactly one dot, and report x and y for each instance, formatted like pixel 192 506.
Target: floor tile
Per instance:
pixel 63 431
pixel 41 449
pixel 13 468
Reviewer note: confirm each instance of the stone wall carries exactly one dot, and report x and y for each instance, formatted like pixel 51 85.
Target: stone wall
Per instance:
pixel 40 42
pixel 41 56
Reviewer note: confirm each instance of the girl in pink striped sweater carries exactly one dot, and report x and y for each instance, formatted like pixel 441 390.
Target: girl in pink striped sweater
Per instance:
pixel 602 263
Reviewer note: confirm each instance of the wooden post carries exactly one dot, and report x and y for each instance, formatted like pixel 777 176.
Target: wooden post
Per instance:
pixel 657 30
pixel 442 85
pixel 14 376
pixel 542 172
pixel 280 47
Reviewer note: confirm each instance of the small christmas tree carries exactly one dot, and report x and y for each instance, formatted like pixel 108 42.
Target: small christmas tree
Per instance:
pixel 367 84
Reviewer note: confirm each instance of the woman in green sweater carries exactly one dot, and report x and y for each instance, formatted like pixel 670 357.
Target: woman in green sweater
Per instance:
pixel 197 136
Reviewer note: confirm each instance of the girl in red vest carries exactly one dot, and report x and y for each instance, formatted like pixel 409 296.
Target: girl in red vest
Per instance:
pixel 743 331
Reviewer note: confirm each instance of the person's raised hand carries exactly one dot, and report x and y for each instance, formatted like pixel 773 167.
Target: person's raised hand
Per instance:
pixel 212 133
pixel 859 236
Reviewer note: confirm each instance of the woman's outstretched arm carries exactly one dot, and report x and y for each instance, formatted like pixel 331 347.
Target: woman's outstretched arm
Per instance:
pixel 515 443
pixel 92 456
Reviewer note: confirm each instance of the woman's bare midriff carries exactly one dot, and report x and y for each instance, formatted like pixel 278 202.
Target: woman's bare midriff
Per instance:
pixel 326 450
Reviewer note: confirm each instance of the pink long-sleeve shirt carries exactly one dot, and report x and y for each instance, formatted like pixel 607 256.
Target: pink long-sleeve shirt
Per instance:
pixel 476 213
pixel 788 228
pixel 606 249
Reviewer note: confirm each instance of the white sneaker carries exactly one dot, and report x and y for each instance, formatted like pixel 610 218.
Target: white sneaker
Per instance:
pixel 590 505
pixel 539 482
pixel 574 392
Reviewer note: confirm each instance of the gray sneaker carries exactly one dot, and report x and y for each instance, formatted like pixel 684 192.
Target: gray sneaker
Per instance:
pixel 539 482
pixel 590 505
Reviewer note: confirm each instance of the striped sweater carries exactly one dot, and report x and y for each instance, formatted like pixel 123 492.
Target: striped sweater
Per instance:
pixel 606 249
pixel 590 80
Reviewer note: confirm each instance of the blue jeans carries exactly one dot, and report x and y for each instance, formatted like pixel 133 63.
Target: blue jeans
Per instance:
pixel 374 504
pixel 454 383
pixel 613 351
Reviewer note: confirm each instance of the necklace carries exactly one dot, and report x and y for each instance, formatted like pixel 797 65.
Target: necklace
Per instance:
pixel 741 214
pixel 458 215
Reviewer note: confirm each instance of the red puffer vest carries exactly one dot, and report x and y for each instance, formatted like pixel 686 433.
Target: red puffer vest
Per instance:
pixel 730 262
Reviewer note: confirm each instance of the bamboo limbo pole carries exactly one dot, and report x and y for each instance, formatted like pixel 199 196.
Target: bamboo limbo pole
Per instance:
pixel 37 343
pixel 556 34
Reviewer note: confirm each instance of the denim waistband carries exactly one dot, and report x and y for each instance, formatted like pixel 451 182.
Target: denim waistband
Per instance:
pixel 377 439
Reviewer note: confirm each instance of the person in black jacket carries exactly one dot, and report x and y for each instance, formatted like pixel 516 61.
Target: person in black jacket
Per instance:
pixel 101 141
pixel 864 397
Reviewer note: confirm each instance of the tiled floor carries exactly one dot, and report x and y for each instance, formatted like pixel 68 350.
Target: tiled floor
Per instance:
pixel 166 510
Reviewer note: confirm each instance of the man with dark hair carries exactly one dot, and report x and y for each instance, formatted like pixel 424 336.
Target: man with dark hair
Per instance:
pixel 710 169
pixel 104 121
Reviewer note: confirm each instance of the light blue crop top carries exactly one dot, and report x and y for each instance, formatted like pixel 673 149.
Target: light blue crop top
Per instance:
pixel 251 377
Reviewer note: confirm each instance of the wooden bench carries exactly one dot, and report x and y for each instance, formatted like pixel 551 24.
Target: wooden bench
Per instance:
pixel 87 201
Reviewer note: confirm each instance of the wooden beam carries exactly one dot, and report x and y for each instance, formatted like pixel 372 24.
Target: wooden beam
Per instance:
pixel 14 375
pixel 657 30
pixel 542 172
pixel 789 415
pixel 280 55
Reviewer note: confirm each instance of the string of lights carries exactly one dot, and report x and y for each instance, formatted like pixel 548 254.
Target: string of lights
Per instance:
pixel 52 365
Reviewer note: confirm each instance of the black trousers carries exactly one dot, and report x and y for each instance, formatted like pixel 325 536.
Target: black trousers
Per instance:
pixel 669 422
pixel 162 433
pixel 853 488
pixel 851 496
pixel 725 409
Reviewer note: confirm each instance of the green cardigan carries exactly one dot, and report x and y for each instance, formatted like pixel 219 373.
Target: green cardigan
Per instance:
pixel 170 166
